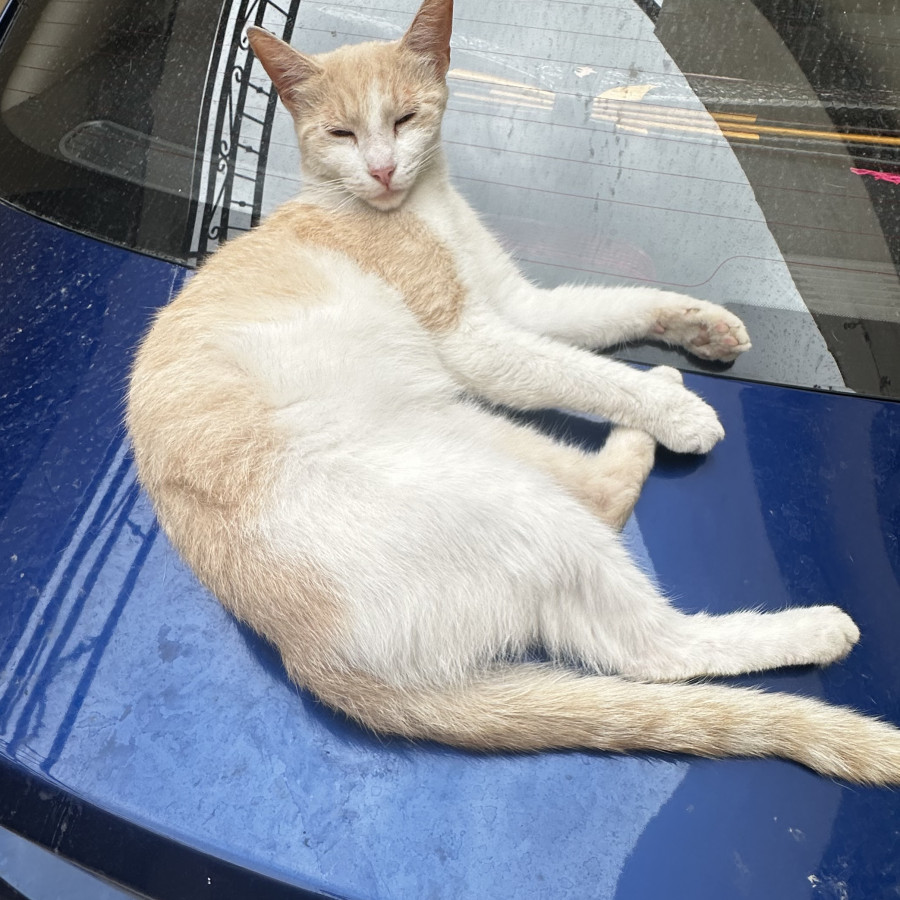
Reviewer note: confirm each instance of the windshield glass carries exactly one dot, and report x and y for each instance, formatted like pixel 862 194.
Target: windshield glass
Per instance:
pixel 744 153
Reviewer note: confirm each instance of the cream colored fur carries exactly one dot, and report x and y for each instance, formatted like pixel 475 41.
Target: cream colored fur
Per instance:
pixel 301 417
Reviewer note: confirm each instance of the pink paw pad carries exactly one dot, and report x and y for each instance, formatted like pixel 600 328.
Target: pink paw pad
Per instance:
pixel 709 331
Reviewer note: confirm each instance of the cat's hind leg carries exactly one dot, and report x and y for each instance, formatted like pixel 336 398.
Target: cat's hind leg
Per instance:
pixel 609 481
pixel 618 473
pixel 618 621
pixel 612 618
pixel 741 642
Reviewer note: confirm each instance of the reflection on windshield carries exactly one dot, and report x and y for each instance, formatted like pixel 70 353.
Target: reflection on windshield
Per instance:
pixel 736 152
pixel 138 122
pixel 819 87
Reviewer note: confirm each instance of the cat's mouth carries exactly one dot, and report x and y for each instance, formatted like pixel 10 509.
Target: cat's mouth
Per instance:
pixel 387 198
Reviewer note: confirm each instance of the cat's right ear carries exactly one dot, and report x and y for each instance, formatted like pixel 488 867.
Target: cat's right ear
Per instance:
pixel 287 67
pixel 429 33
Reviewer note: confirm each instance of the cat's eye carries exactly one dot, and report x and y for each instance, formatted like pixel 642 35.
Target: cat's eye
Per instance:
pixel 340 133
pixel 403 119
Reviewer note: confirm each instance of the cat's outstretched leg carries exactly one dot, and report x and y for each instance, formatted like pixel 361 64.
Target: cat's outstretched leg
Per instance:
pixel 741 642
pixel 627 627
pixel 613 619
pixel 680 647
pixel 601 317
pixel 511 366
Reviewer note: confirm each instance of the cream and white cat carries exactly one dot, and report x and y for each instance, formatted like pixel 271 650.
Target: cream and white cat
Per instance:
pixel 302 419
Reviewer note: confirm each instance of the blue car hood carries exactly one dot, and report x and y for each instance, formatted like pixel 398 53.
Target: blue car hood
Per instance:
pixel 140 724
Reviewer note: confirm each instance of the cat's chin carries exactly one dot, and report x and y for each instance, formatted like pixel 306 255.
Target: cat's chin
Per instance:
pixel 387 200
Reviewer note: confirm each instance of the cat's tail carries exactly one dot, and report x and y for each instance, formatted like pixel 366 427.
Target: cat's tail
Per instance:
pixel 535 707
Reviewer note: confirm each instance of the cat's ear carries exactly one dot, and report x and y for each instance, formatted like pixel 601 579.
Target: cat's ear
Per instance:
pixel 429 33
pixel 287 67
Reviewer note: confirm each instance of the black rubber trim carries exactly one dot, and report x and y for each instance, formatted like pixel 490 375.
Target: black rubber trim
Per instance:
pixel 124 853
pixel 8 892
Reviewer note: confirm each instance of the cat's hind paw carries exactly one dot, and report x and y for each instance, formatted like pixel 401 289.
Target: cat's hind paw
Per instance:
pixel 825 633
pixel 704 329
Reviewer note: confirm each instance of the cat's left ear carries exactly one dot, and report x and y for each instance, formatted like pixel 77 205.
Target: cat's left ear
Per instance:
pixel 287 67
pixel 429 33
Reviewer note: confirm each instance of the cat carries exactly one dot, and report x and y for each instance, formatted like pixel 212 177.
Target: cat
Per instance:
pixel 314 418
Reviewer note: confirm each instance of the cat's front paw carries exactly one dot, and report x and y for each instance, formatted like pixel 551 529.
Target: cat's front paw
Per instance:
pixel 684 423
pixel 666 373
pixel 704 329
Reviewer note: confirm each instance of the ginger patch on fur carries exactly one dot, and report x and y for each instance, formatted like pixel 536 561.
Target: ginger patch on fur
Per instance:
pixel 385 244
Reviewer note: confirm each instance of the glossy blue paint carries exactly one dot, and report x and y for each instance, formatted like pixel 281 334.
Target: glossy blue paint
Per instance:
pixel 144 732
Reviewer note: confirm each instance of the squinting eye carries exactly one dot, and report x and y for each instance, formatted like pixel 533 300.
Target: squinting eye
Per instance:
pixel 340 133
pixel 403 119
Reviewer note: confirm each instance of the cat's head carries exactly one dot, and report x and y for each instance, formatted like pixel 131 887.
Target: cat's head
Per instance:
pixel 368 116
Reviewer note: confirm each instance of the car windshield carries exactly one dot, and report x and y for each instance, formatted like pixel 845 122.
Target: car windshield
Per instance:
pixel 743 152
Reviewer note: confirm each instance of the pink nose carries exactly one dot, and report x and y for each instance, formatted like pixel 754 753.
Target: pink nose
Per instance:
pixel 383 174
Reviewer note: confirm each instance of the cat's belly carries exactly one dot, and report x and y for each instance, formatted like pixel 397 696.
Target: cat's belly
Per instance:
pixel 437 540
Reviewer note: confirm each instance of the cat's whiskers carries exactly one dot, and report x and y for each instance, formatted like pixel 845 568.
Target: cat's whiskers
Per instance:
pixel 425 156
pixel 331 191
pixel 335 186
pixel 347 201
